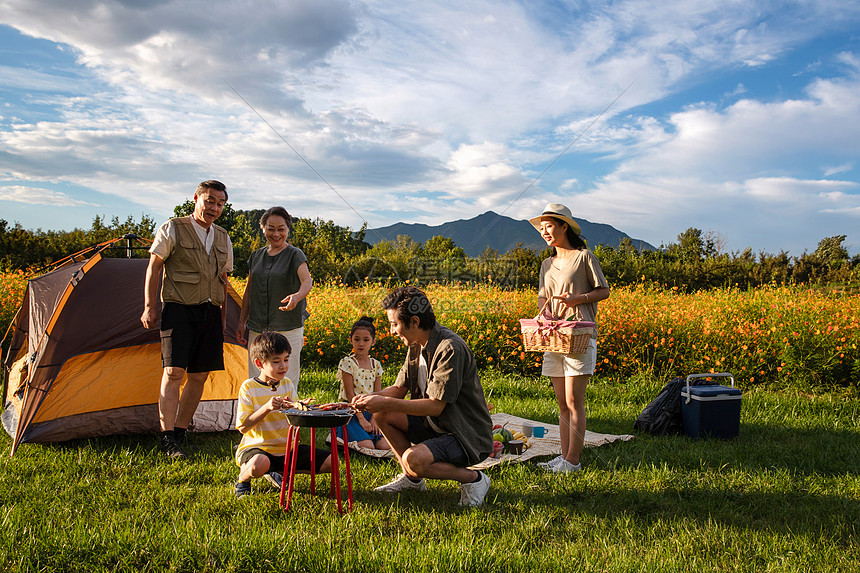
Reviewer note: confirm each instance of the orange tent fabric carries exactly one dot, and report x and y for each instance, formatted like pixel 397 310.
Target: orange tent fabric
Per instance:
pixel 82 364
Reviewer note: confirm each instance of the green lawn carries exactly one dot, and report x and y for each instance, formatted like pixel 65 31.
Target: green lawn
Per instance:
pixel 783 496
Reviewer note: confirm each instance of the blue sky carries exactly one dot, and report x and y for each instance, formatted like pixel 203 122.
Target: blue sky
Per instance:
pixel 740 118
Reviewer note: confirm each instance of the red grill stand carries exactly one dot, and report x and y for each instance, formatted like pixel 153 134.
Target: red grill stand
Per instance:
pixel 292 455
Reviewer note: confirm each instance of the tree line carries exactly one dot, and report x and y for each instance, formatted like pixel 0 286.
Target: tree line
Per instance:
pixel 338 254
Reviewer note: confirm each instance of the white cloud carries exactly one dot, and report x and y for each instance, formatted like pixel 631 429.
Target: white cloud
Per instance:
pixel 438 111
pixel 569 184
pixel 27 79
pixel 739 90
pixel 37 196
pixel 837 169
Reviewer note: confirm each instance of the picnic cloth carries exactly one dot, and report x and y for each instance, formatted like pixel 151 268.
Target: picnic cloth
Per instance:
pixel 549 445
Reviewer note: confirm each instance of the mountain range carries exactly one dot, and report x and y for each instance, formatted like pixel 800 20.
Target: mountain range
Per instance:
pixel 497 232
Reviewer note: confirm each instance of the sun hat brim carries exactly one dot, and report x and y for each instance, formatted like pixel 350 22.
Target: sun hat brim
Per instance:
pixel 556 211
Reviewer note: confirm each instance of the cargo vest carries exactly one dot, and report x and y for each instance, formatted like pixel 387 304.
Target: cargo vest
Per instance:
pixel 190 275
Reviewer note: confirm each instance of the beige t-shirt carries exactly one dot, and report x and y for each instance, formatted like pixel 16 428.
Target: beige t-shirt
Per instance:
pixel 577 273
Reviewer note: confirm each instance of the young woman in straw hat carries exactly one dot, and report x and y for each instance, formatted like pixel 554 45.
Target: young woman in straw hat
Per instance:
pixel 573 281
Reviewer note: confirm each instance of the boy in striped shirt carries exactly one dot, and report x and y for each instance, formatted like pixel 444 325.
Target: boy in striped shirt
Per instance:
pixel 264 437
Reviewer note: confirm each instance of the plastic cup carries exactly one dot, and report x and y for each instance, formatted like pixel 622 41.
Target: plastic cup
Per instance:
pixel 527 430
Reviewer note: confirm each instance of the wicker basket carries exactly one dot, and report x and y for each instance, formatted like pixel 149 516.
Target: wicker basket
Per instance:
pixel 565 336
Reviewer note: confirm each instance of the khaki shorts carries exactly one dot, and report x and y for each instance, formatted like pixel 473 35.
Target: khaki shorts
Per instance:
pixel 556 364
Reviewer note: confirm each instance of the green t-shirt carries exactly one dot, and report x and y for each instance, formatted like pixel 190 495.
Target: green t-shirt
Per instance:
pixel 272 279
pixel 452 376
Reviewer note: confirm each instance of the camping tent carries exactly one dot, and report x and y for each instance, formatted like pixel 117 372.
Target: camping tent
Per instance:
pixel 81 364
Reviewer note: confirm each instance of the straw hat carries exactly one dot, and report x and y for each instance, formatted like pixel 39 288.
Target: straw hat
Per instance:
pixel 557 211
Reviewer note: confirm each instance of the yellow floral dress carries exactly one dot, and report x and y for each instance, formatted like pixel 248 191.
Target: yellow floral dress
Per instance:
pixel 363 379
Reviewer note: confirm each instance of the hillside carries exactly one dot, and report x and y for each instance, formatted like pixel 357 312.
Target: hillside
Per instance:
pixel 496 232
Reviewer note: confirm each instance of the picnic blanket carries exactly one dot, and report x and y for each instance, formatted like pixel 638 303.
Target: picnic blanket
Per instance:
pixel 549 445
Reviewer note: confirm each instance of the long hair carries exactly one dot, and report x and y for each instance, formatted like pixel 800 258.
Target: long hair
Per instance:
pixel 578 242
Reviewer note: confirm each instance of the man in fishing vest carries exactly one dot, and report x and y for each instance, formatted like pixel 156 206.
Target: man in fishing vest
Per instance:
pixel 195 256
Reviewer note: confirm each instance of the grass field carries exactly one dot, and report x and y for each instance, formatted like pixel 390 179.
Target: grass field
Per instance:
pixel 783 496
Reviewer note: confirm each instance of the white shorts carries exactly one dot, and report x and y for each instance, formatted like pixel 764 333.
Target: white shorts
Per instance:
pixel 556 364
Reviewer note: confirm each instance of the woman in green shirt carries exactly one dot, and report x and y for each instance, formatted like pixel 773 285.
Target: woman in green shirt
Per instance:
pixel 278 282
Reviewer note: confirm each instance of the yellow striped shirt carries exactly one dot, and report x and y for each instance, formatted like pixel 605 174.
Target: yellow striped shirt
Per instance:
pixel 270 435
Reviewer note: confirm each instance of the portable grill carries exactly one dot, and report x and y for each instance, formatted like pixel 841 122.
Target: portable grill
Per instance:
pixel 317 417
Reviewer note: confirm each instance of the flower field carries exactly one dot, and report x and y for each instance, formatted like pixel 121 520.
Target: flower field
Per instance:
pixel 782 337
pixel 12 287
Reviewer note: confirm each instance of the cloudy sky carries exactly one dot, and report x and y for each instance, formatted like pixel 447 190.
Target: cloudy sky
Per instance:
pixel 737 117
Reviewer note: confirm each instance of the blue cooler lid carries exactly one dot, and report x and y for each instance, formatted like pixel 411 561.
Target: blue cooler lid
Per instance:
pixel 713 392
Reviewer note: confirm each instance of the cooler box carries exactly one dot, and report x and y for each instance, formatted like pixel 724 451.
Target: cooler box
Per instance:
pixel 711 410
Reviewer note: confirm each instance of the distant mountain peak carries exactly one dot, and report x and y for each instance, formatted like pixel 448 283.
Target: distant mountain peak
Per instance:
pixel 497 232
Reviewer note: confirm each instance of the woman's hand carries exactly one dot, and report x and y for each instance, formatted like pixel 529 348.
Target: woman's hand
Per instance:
pixel 572 299
pixel 290 302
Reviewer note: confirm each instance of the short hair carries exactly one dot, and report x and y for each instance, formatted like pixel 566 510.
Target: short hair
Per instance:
pixel 365 322
pixel 409 301
pixel 279 212
pixel 212 184
pixel 267 345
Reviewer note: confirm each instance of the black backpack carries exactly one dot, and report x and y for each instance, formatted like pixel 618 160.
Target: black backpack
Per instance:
pixel 663 415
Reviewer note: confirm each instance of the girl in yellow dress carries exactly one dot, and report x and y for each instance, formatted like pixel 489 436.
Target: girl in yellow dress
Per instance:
pixel 360 373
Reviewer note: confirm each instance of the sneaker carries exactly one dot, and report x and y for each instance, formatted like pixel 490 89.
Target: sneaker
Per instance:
pixel 401 483
pixel 552 463
pixel 242 488
pixel 473 494
pixel 172 449
pixel 274 478
pixel 565 467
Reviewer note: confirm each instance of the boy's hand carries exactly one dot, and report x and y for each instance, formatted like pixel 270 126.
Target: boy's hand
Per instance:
pixel 275 403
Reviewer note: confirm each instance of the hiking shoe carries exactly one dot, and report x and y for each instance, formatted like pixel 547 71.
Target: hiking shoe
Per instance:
pixel 274 478
pixel 172 449
pixel 242 488
pixel 552 463
pixel 473 494
pixel 402 483
pixel 565 467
